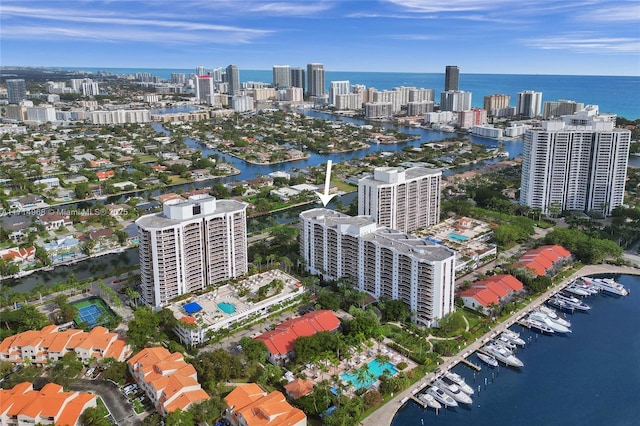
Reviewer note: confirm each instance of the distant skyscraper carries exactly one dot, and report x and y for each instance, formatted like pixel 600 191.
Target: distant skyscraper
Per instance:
pixel 452 78
pixel 338 88
pixel 454 100
pixel 189 246
pixel 560 108
pixel 233 77
pixel 204 88
pixel 529 103
pixel 200 71
pixel 217 73
pixel 404 200
pixel 315 78
pixel 579 163
pixel 178 78
pixel 17 90
pixel 297 78
pixel 496 102
pixel 281 76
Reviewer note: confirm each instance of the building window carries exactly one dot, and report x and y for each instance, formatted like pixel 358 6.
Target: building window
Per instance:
pixel 196 209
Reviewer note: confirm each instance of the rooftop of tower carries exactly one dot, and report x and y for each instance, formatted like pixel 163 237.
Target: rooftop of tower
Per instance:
pixel 216 208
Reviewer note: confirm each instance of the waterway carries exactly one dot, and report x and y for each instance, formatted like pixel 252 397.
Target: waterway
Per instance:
pixel 589 377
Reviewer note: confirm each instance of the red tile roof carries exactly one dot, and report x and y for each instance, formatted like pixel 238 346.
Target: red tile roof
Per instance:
pixel 257 408
pixel 540 260
pixel 492 289
pixel 281 340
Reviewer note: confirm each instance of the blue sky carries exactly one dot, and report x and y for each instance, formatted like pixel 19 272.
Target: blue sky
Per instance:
pixel 589 37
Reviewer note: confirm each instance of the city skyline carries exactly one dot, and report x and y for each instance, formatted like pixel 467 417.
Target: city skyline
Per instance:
pixel 557 37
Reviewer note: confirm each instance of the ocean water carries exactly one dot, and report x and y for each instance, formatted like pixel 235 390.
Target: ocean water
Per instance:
pixel 613 94
pixel 589 377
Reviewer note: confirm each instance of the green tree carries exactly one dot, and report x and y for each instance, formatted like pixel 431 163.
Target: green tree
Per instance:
pixel 178 418
pixel 116 371
pixel 253 350
pixel 93 416
pixel 143 329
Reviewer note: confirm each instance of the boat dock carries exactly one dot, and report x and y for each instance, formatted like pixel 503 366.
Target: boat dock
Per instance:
pixel 418 401
pixel 470 364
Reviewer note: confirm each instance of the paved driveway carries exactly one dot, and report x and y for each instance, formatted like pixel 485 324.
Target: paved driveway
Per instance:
pixel 116 402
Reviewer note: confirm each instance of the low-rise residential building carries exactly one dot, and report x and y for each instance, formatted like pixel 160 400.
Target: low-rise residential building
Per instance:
pixel 281 341
pixel 490 292
pixel 51 405
pixel 250 405
pixel 168 380
pixel 50 344
pixel 545 260
pixel 19 254
pixel 55 220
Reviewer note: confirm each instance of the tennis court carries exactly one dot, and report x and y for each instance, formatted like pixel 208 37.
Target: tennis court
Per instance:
pixel 94 311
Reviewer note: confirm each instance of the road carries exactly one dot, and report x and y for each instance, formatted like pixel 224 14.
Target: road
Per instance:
pixel 384 415
pixel 117 404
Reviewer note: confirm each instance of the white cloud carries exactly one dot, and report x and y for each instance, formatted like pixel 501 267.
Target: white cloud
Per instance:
pixel 613 13
pixel 293 8
pixel 585 43
pixel 413 37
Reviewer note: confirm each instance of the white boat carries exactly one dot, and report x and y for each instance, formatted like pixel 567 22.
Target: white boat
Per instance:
pixel 453 390
pixel 573 301
pixel 560 304
pixel 607 284
pixel 553 315
pixel 442 397
pixel 430 400
pixel 578 291
pixel 503 355
pixel 539 325
pixel 487 359
pixel 458 380
pixel 513 337
pixel 503 341
pixel 588 287
pixel 556 327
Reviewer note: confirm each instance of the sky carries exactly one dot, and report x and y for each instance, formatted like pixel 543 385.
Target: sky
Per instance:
pixel 588 37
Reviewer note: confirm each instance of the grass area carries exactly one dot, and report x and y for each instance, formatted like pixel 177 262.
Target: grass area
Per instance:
pixel 177 180
pixel 103 408
pixel 137 406
pixel 147 158
pixel 342 186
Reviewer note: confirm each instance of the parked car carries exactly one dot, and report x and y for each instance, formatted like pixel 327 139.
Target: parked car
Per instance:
pixel 90 371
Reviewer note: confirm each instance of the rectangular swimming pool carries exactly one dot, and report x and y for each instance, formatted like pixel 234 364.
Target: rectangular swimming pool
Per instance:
pixel 375 368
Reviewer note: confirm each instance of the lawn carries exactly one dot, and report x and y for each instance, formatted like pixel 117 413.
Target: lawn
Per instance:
pixel 342 186
pixel 147 158
pixel 177 180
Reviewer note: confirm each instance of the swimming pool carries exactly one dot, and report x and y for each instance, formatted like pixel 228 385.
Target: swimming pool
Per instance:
pixel 375 368
pixel 457 237
pixel 227 308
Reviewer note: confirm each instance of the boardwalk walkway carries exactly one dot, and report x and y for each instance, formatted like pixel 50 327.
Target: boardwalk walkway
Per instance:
pixel 384 415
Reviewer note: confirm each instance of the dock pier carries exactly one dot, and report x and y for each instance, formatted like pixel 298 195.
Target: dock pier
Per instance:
pixel 470 364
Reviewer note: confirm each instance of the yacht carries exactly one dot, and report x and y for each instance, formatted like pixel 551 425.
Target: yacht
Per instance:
pixel 506 342
pixel 560 304
pixel 608 285
pixel 453 390
pixel 538 325
pixel 553 315
pixel 458 380
pixel 487 359
pixel 430 400
pixel 556 327
pixel 588 287
pixel 514 337
pixel 504 355
pixel 573 301
pixel 442 397
pixel 577 290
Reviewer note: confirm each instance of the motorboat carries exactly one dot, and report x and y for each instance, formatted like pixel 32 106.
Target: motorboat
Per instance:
pixel 453 390
pixel 487 359
pixel 608 285
pixel 503 355
pixel 539 325
pixel 553 316
pixel 442 397
pixel 513 337
pixel 560 304
pixel 556 327
pixel 430 400
pixel 577 290
pixel 458 380
pixel 506 342
pixel 588 287
pixel 573 301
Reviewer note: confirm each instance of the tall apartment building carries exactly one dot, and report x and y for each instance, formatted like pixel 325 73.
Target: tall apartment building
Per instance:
pixel 390 96
pixel 419 108
pixel 294 94
pixel 421 95
pixel 281 76
pixel 472 117
pixel 553 109
pixel 350 101
pixel 495 102
pixel 451 78
pixel 380 261
pixel 453 100
pixel 338 88
pixel 190 245
pixel 233 78
pixel 529 103
pixel 298 78
pixel 315 79
pixel 178 78
pixel 401 199
pixel 378 110
pixel 578 163
pixel 16 90
pixel 200 71
pixel 90 88
pixel 204 88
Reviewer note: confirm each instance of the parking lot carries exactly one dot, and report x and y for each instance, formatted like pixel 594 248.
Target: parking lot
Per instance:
pixel 113 397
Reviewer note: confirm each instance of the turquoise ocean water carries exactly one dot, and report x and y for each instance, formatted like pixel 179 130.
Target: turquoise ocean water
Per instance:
pixel 613 94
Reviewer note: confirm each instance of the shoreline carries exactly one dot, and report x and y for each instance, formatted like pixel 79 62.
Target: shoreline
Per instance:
pixel 387 412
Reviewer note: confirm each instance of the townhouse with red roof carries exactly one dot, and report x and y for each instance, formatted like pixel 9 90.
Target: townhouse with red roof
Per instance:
pixel 250 405
pixel 281 341
pixel 167 379
pixel 545 260
pixel 485 294
pixel 50 344
pixel 22 405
